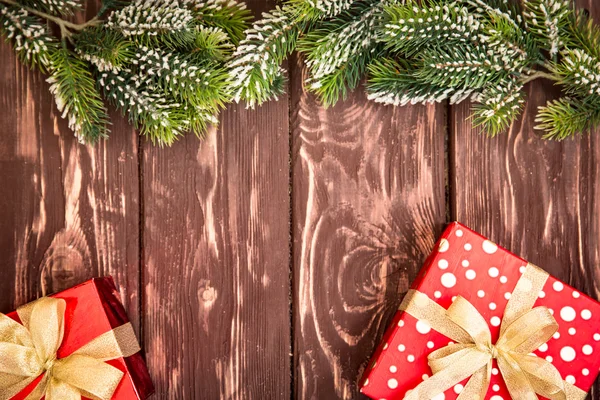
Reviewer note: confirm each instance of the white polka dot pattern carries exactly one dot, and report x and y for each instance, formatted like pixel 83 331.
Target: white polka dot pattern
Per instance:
pixel 586 314
pixel 462 267
pixel 567 354
pixel 489 247
pixel 448 280
pixel 567 314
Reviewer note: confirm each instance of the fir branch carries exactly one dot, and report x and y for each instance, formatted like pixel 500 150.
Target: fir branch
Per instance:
pixel 211 44
pixel 579 73
pixel 255 66
pixel 54 7
pixel 547 21
pixel 410 28
pixel 229 16
pixel 584 34
pixel 315 10
pixel 159 117
pixel 105 48
pixel 154 22
pixel 499 105
pixel 76 96
pixel 31 38
pixel 498 10
pixel 204 86
pixel 463 67
pixel 566 117
pixel 394 82
pixel 510 42
pixel 197 119
pixel 338 52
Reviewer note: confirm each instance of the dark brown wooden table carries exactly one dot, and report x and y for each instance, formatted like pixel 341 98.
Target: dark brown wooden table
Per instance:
pixel 266 261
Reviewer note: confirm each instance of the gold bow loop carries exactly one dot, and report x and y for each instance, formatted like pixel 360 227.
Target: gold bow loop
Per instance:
pixel 523 330
pixel 30 350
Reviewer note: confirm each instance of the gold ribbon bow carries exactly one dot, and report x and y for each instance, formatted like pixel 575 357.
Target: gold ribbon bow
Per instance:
pixel 30 350
pixel 523 330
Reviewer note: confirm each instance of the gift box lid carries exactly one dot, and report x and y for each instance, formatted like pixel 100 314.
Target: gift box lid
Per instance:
pixel 467 264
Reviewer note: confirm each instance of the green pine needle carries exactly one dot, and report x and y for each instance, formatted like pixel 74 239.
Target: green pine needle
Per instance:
pixel 315 10
pixel 230 16
pixel 203 85
pixel 409 28
pixel 339 51
pixel 548 21
pixel 394 82
pixel 154 22
pixel 567 117
pixel 31 38
pixel 498 106
pixel 211 44
pixel 255 67
pixel 54 7
pixel 76 96
pixel 105 48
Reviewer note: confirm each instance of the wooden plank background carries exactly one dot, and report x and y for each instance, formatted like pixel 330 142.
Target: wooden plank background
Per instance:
pixel 266 261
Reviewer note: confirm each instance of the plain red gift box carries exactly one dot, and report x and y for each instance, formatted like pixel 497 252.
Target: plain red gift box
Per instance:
pixel 467 264
pixel 94 308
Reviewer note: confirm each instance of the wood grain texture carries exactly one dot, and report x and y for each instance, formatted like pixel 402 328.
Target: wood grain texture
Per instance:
pixel 216 259
pixel 368 203
pixel 540 199
pixel 69 212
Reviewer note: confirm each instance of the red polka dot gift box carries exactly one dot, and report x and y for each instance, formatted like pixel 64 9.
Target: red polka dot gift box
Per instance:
pixel 482 323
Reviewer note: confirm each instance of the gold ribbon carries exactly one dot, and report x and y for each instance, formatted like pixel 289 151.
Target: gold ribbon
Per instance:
pixel 523 330
pixel 30 350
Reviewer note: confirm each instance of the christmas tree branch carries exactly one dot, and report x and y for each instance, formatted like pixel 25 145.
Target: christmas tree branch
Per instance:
pixel 65 26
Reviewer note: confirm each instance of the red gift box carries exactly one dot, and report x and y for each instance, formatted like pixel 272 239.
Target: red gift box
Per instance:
pixel 468 265
pixel 92 309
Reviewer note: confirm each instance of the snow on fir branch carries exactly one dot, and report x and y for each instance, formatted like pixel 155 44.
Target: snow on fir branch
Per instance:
pixel 172 65
pixel 163 63
pixel 31 38
pixel 413 51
